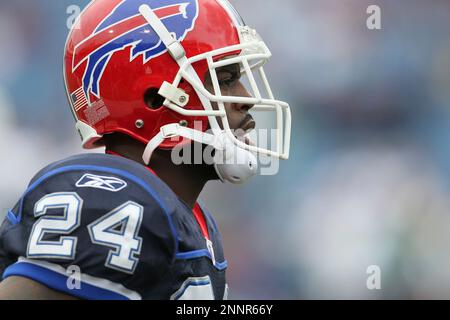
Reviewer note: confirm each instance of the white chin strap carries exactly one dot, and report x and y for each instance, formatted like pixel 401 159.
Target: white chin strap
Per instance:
pixel 232 163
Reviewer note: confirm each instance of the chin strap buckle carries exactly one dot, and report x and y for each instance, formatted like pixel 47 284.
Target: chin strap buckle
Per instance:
pixel 173 94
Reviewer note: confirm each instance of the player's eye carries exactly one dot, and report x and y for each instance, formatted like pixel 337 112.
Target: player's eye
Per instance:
pixel 225 78
pixel 228 76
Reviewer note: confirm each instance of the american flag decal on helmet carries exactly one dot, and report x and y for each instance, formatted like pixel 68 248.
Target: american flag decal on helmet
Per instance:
pixel 78 98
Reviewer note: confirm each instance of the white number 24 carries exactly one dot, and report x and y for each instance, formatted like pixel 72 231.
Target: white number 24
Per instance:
pixel 118 230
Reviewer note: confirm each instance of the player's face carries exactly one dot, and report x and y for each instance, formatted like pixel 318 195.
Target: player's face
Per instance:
pixel 230 85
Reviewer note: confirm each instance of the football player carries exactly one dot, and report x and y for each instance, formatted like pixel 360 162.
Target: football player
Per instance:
pixel 149 80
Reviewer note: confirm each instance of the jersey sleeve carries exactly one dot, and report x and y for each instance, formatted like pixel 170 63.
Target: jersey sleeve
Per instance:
pixel 93 233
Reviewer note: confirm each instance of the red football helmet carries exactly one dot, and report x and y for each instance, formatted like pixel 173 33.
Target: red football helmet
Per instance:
pixel 119 51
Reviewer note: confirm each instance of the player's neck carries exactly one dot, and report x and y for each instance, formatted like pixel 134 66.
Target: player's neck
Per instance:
pixel 186 181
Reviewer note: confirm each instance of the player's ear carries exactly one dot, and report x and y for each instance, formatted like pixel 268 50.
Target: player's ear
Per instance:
pixel 152 99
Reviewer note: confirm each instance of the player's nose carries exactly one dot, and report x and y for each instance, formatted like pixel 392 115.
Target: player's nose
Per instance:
pixel 241 91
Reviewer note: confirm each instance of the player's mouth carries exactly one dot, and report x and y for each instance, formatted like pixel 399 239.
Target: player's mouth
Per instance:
pixel 248 124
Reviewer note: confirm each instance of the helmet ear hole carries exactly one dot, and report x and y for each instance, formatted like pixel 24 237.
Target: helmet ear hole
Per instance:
pixel 152 99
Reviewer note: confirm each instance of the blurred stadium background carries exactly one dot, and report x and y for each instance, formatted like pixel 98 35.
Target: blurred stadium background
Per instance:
pixel 368 182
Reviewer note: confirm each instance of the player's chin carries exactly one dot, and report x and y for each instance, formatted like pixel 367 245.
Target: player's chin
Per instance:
pixel 249 142
pixel 244 136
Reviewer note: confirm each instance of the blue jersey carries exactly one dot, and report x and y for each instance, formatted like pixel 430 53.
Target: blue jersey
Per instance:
pixel 98 226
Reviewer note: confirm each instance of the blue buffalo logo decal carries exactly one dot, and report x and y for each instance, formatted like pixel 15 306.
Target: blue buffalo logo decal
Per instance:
pixel 125 27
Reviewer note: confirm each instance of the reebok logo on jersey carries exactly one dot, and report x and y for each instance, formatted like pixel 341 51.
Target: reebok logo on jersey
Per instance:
pixel 100 182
